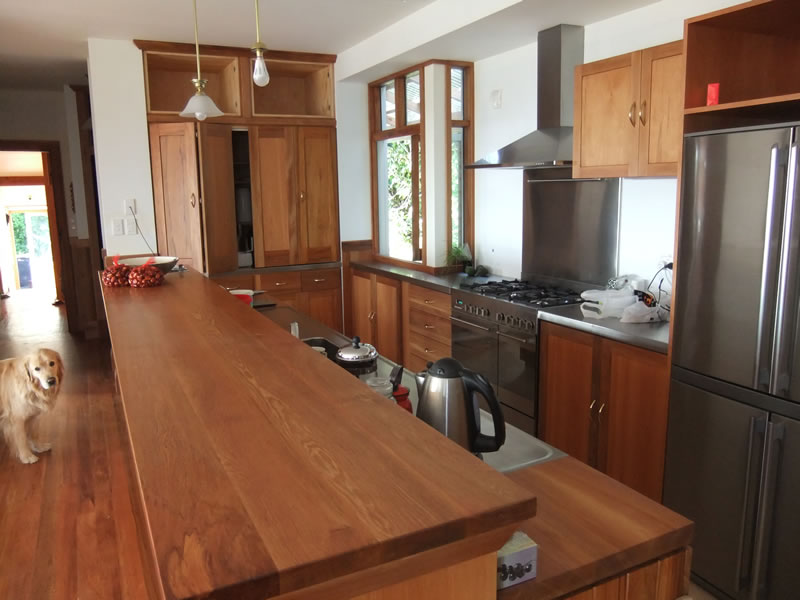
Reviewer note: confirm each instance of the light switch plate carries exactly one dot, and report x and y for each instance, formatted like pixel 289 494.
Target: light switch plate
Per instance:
pixel 130 226
pixel 130 207
pixel 117 227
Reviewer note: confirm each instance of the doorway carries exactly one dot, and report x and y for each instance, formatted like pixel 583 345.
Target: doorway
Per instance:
pixel 28 254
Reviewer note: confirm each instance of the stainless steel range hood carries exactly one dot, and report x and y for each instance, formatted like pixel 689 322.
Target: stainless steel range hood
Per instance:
pixel 560 50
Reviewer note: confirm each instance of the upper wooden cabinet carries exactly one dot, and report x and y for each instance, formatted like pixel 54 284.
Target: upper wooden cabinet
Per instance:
pixel 295 204
pixel 300 87
pixel 605 403
pixel 194 209
pixel 628 114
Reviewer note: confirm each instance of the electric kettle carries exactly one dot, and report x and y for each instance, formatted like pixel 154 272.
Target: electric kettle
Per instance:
pixel 448 403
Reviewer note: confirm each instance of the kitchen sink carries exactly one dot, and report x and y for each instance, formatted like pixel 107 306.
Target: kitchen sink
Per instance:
pixel 330 348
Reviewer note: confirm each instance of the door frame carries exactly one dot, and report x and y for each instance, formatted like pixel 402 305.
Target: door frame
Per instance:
pixel 56 205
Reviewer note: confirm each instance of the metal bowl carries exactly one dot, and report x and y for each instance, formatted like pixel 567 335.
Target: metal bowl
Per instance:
pixel 164 263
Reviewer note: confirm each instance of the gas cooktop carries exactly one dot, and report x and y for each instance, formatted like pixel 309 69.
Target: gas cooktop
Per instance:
pixel 525 293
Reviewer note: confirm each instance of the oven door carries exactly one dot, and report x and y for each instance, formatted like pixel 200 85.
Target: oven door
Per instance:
pixel 474 345
pixel 517 378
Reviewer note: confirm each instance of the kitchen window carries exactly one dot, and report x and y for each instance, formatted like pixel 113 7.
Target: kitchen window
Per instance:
pixel 403 142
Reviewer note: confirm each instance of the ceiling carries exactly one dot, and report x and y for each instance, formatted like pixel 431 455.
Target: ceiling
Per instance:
pixel 43 42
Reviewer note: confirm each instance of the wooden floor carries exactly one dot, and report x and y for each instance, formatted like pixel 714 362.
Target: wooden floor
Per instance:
pixel 66 523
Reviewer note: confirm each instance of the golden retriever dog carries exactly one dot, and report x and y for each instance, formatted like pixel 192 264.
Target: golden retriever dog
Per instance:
pixel 28 387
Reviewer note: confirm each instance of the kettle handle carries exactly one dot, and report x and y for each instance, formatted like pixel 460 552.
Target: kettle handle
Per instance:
pixel 476 382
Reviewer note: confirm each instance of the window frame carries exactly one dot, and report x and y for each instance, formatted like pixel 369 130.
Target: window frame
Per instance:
pixel 402 128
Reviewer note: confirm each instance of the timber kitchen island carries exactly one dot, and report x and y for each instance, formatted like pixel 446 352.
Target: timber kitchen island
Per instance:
pixel 264 470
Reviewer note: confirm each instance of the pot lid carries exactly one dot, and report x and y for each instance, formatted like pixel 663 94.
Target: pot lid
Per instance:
pixel 357 352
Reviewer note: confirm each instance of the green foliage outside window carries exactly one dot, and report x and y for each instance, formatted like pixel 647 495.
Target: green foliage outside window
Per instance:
pixel 398 163
pixel 20 234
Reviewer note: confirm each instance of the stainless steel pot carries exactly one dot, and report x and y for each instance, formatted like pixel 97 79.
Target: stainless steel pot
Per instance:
pixel 360 359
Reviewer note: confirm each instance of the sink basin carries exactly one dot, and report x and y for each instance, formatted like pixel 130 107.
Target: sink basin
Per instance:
pixel 520 449
pixel 330 348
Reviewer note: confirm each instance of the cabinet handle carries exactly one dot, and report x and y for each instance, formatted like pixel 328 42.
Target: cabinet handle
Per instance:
pixel 600 411
pixel 371 316
pixel 278 283
pixel 319 280
pixel 193 200
pixel 428 326
pixel 591 406
pixel 428 301
pixel 302 195
pixel 427 351
pixel 642 111
pixel 632 114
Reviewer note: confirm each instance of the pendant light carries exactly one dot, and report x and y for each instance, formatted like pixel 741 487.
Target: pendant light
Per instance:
pixel 199 105
pixel 260 73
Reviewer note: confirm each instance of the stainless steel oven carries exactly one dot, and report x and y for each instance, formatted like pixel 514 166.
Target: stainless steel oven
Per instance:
pixel 504 353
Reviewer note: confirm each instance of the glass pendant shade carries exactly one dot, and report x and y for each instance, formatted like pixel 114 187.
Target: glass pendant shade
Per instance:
pixel 260 73
pixel 200 106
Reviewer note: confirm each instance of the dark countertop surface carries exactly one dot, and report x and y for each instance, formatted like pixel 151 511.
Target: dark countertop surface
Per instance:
pixel 651 336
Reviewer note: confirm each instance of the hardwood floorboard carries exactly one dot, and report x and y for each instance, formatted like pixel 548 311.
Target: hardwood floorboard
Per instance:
pixel 67 527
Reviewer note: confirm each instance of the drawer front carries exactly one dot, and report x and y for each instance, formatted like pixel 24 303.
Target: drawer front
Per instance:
pixel 429 325
pixel 428 300
pixel 323 279
pixel 244 282
pixel 428 348
pixel 282 281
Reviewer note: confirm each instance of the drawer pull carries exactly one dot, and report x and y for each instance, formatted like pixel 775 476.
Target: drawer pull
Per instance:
pixel 427 351
pixel 428 326
pixel 319 280
pixel 428 301
pixel 279 283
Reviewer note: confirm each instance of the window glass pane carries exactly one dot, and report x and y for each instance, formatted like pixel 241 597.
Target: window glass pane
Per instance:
pixel 395 229
pixel 456 93
pixel 412 98
pixel 388 113
pixel 457 186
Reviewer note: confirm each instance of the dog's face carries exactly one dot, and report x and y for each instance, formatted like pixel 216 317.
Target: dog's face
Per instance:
pixel 45 368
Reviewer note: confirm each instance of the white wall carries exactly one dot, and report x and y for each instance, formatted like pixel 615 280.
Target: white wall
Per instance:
pixel 122 152
pixel 352 135
pixel 39 115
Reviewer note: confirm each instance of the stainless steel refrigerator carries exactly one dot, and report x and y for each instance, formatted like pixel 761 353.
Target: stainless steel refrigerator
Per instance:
pixel 733 454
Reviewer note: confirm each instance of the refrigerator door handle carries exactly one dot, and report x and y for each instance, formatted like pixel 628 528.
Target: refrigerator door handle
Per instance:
pixel 769 278
pixel 766 505
pixel 755 452
pixel 782 344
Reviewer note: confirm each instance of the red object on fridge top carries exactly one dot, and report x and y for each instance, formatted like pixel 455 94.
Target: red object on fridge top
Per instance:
pixel 712 95
pixel 401 397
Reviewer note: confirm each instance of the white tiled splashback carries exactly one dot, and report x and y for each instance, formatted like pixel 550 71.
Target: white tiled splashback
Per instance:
pixel 647 225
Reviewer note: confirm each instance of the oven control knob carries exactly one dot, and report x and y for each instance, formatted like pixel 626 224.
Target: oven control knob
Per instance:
pixel 528 324
pixel 483 312
pixel 513 321
pixel 486 312
pixel 500 317
pixel 470 308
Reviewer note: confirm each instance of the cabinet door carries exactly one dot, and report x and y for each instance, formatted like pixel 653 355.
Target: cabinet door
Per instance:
pixel 661 110
pixel 606 139
pixel 273 174
pixel 633 426
pixel 361 286
pixel 566 390
pixel 318 235
pixel 219 206
pixel 176 194
pixel 325 306
pixel 388 332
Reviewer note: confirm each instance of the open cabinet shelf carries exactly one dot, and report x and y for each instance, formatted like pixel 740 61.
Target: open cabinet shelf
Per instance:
pixel 296 89
pixel 752 50
pixel 168 81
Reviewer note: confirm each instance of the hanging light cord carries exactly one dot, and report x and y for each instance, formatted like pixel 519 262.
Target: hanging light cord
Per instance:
pixel 196 43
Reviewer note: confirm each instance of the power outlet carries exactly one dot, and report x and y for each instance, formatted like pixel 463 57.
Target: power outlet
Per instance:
pixel 117 227
pixel 130 226
pixel 130 207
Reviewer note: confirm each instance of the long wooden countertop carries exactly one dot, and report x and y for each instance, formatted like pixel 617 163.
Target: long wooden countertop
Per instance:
pixel 264 468
pixel 589 528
